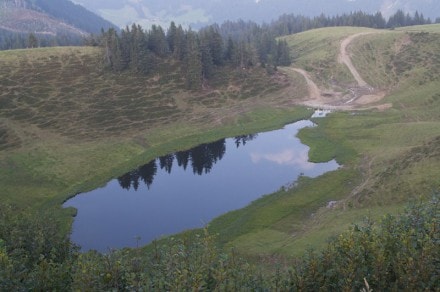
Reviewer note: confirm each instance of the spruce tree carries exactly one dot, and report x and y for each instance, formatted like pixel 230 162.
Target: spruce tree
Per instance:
pixel 157 41
pixel 32 41
pixel 230 50
pixel 206 57
pixel 172 37
pixel 193 63
pixel 283 54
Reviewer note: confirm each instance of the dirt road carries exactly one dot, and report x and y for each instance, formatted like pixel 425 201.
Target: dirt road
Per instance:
pixel 362 95
pixel 345 58
pixel 314 91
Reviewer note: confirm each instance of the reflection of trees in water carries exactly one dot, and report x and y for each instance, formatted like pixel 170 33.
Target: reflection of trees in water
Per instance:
pixel 145 173
pixel 182 158
pixel 243 139
pixel 202 158
pixel 166 162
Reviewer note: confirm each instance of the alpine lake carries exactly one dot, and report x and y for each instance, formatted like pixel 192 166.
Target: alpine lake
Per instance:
pixel 187 189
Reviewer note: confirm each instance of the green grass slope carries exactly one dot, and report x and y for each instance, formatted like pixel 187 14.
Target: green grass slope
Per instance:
pixel 317 52
pixel 389 157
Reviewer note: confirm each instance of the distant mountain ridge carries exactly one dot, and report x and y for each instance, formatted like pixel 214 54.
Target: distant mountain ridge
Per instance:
pixel 49 17
pixel 20 19
pixel 199 12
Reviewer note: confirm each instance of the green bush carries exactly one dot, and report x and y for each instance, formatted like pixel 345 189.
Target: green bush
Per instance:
pixel 33 253
pixel 177 265
pixel 398 253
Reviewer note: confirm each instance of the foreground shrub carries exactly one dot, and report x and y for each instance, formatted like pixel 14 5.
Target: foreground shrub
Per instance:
pixel 398 253
pixel 34 255
pixel 174 266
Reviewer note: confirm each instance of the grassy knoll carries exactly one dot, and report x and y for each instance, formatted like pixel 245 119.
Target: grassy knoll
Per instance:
pixel 67 125
pixel 389 156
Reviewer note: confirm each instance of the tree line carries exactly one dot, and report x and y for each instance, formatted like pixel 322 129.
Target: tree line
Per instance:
pixel 200 53
pixel 19 40
pixel 238 44
pixel 290 23
pixel 261 37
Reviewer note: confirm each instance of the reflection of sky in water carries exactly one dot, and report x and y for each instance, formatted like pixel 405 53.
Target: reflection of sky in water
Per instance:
pixel 113 217
pixel 285 157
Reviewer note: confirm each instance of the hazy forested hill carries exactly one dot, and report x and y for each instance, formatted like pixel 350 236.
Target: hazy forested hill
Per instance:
pixel 74 15
pixel 53 22
pixel 62 11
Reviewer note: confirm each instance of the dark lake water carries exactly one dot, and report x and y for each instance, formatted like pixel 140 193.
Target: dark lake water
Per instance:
pixel 188 189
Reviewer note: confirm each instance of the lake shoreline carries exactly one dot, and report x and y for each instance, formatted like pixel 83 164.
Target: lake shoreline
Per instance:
pixel 265 161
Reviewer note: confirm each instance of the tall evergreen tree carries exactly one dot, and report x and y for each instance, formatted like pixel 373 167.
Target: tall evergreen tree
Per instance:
pixel 172 37
pixel 230 50
pixel 193 63
pixel 111 48
pixel 157 41
pixel 124 50
pixel 215 43
pixel 397 20
pixel 283 54
pixel 32 41
pixel 180 44
pixel 206 57
pixel 141 57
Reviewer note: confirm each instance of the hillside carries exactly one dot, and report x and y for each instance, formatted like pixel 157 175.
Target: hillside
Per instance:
pixel 68 125
pixel 62 107
pixel 49 17
pixel 74 15
pixel 59 22
pixel 24 20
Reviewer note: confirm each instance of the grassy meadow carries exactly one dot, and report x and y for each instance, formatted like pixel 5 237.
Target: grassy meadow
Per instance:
pixel 68 126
